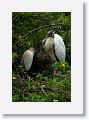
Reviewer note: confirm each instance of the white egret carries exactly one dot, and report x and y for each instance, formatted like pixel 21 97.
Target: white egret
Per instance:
pixel 54 45
pixel 28 58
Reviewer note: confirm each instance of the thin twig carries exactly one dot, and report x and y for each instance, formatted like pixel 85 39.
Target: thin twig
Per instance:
pixel 42 27
pixel 29 77
pixel 43 90
pixel 15 17
pixel 37 29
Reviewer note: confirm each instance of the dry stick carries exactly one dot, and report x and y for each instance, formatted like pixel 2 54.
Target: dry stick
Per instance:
pixel 42 27
pixel 42 88
pixel 46 89
pixel 37 29
pixel 65 75
pixel 15 17
pixel 29 78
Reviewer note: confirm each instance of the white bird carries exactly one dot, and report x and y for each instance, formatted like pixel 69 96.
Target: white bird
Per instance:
pixel 54 45
pixel 28 58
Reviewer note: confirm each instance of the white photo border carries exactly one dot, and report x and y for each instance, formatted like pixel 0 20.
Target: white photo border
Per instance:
pixel 76 104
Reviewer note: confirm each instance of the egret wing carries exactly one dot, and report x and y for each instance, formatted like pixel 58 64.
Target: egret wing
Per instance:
pixel 60 50
pixel 28 58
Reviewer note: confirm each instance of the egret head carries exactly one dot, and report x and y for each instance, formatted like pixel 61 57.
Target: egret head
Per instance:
pixel 32 49
pixel 50 34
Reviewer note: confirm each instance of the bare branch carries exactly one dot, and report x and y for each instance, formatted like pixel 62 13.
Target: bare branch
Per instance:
pixel 43 90
pixel 15 17
pixel 37 29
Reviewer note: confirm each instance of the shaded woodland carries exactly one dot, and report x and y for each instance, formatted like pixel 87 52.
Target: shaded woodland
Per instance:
pixel 28 30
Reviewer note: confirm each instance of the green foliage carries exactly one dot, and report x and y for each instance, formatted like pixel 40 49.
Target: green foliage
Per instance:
pixel 57 89
pixel 14 56
pixel 28 30
pixel 63 66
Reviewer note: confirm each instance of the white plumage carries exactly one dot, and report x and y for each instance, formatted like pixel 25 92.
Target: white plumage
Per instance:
pixel 59 46
pixel 54 45
pixel 28 58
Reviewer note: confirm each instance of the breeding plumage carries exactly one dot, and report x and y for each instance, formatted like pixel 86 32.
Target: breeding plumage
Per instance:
pixel 28 58
pixel 53 44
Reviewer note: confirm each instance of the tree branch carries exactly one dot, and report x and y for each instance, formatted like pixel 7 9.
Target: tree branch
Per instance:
pixel 37 29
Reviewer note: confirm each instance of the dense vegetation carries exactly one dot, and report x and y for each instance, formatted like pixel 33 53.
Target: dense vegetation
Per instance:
pixel 28 30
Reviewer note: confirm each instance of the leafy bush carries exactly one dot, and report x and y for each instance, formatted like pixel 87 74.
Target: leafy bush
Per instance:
pixel 28 30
